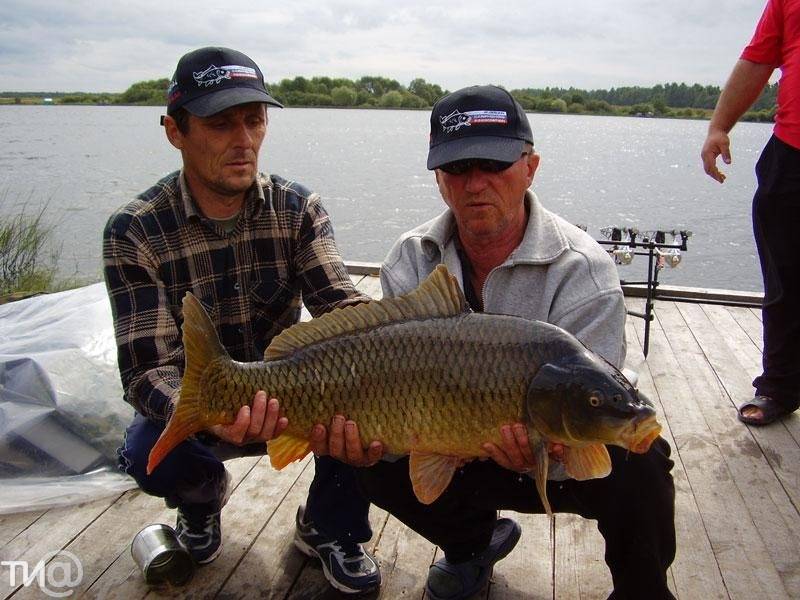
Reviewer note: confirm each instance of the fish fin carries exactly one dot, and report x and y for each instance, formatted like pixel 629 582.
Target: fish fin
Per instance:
pixel 587 462
pixel 431 474
pixel 201 346
pixel 438 296
pixel 540 474
pixel 286 449
pixel 185 421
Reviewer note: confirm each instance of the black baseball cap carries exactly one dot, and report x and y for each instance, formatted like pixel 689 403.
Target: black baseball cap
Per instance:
pixel 209 80
pixel 482 121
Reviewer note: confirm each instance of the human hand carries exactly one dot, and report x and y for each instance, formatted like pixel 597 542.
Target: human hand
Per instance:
pixel 515 451
pixel 260 423
pixel 717 143
pixel 344 443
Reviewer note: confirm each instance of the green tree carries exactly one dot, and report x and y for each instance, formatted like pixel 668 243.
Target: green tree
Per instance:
pixel 377 86
pixel 429 92
pixel 344 96
pixel 392 99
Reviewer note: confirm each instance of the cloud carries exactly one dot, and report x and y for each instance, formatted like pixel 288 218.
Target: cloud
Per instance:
pixel 48 45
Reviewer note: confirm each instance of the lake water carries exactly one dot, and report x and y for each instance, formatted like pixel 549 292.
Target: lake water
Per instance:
pixel 369 166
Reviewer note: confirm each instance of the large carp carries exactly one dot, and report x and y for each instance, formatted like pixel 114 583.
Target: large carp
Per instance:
pixel 425 376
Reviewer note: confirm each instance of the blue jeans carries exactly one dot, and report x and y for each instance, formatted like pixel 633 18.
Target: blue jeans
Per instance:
pixel 776 222
pixel 192 476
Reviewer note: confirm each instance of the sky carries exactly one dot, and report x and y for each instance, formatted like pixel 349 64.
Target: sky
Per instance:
pixel 105 45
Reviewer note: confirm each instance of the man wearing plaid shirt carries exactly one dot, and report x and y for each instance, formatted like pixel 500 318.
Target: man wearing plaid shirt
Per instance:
pixel 249 246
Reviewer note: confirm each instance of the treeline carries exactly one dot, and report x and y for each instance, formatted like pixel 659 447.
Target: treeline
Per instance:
pixel 363 92
pixel 671 99
pixel 667 100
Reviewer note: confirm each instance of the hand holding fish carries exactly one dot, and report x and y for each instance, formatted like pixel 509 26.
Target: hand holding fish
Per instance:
pixel 344 443
pixel 515 453
pixel 260 423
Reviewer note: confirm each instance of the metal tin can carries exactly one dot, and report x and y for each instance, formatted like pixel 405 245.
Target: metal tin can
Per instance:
pixel 161 557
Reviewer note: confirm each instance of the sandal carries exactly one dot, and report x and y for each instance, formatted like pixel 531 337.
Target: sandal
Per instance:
pixel 458 581
pixel 771 411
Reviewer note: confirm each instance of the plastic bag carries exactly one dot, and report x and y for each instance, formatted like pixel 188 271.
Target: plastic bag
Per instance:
pixel 62 416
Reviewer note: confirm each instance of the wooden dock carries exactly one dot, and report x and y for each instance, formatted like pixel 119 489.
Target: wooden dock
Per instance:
pixel 738 494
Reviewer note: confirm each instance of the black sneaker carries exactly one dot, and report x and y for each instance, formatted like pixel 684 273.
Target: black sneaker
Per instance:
pixel 199 528
pixel 347 566
pixel 201 534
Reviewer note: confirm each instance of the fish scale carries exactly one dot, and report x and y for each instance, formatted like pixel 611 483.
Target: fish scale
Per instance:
pixel 433 387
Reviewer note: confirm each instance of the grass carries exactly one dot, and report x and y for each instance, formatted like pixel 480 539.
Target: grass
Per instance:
pixel 27 257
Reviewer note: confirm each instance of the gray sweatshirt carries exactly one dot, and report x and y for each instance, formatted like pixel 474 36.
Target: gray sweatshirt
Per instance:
pixel 557 274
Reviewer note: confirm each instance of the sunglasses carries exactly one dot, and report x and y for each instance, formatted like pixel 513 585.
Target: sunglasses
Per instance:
pixel 486 165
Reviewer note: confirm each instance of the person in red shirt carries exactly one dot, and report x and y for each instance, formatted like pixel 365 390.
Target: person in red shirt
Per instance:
pixel 776 204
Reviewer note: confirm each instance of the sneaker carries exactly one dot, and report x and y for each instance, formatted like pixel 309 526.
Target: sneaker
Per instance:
pixel 200 529
pixel 201 534
pixel 459 581
pixel 346 565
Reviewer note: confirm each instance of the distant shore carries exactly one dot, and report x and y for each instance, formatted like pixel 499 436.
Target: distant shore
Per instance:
pixel 669 100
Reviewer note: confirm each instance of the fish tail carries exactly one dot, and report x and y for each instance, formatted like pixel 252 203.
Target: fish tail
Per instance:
pixel 185 421
pixel 201 346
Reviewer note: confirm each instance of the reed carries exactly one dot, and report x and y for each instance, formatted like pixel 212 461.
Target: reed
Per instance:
pixel 27 257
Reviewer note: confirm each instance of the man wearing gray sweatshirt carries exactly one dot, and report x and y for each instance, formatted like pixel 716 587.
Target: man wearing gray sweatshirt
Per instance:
pixel 512 256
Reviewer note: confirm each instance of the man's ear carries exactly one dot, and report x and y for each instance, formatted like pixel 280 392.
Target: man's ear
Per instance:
pixel 532 163
pixel 174 134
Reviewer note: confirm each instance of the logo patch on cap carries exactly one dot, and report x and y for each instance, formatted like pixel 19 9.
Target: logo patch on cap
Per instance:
pixel 456 119
pixel 213 75
pixel 240 72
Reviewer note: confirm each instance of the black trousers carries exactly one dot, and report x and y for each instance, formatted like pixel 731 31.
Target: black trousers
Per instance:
pixel 633 506
pixel 776 226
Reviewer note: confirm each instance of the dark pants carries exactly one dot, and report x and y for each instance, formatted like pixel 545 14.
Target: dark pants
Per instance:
pixel 634 508
pixel 192 477
pixel 776 225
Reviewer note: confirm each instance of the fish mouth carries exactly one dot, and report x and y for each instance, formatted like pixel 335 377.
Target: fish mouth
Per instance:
pixel 641 434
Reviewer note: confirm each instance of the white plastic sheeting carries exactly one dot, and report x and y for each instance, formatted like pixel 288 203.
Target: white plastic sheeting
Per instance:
pixel 62 416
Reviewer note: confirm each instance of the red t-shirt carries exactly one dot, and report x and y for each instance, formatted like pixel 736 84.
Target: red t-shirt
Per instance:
pixel 777 42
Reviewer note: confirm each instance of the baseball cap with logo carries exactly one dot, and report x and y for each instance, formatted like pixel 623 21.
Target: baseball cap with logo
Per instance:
pixel 482 121
pixel 210 80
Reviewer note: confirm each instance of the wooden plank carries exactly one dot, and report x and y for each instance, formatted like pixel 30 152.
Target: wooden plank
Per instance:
pixel 696 294
pixel 694 573
pixel 404 558
pixel 580 571
pixel 272 563
pixel 773 505
pixel 751 324
pixel 50 533
pixel 121 578
pixel 355 267
pixel 528 571
pixel 110 535
pixel 777 441
pixel 12 525
pixel 371 286
pixel 698 409
pixel 741 345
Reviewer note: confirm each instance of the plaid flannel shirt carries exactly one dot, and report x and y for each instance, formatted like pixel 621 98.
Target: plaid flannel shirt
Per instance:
pixel 251 280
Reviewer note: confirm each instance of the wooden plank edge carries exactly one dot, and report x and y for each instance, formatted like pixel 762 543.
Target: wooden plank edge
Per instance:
pixel 664 292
